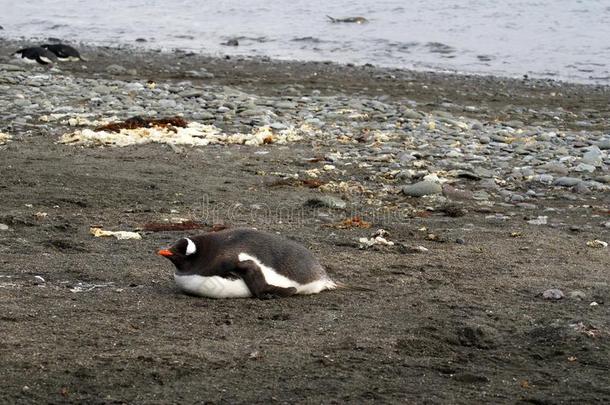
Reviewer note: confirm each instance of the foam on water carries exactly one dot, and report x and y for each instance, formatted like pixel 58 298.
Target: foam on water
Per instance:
pixel 561 39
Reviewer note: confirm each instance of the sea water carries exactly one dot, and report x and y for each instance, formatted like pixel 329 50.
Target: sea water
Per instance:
pixel 559 39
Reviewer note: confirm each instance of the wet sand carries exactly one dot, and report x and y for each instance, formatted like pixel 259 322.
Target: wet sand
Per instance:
pixel 462 322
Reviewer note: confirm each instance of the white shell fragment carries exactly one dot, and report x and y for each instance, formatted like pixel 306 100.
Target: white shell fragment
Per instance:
pixel 4 138
pixel 597 244
pixel 98 233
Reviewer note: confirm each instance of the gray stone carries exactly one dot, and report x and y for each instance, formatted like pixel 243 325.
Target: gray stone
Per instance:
pixel 167 103
pixel 411 114
pixel 285 105
pixel 10 68
pixel 422 188
pixel 567 181
pixel 583 167
pixel 252 112
pixel 115 69
pixel 593 156
pixel 527 206
pixel 553 294
pixel 603 179
pixel 581 188
pixel 4 227
pixel 203 116
pixel 191 93
pixel 604 144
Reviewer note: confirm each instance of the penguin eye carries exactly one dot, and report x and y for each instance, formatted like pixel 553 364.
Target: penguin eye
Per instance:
pixel 190 247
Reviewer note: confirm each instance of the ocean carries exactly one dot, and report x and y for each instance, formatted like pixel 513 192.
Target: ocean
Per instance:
pixel 557 39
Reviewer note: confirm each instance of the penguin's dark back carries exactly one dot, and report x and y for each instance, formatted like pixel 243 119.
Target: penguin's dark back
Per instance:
pixel 284 255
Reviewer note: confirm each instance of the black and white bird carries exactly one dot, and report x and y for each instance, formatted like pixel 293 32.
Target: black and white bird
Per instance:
pixel 36 54
pixel 64 53
pixel 239 263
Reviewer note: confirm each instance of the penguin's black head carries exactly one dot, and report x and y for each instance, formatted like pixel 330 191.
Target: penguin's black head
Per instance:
pixel 181 253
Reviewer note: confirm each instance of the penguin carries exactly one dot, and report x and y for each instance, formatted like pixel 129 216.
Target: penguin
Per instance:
pixel 64 53
pixel 356 20
pixel 36 54
pixel 241 263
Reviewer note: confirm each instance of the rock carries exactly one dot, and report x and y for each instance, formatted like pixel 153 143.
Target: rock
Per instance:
pixel 422 188
pixel 603 179
pixel 191 93
pixel 604 144
pixel 584 167
pixel 115 69
pixel 4 227
pixel 285 105
pixel 326 201
pixel 167 103
pixel 581 188
pixel 553 294
pixel 10 68
pixel 593 156
pixel 527 206
pixel 567 181
pixel 541 220
pixel 543 178
pixel 455 193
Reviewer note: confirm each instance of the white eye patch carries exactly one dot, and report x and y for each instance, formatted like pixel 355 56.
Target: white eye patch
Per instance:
pixel 190 247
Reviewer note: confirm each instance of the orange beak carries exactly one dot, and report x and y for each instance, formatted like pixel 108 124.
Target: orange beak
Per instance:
pixel 165 253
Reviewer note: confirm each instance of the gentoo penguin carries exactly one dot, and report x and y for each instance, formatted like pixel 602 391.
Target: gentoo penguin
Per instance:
pixel 64 53
pixel 237 263
pixel 36 54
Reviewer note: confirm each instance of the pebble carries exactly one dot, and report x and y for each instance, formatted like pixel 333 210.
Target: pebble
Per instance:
pixel 326 201
pixel 604 144
pixel 115 69
pixel 4 227
pixel 567 181
pixel 422 188
pixel 553 294
pixel 541 220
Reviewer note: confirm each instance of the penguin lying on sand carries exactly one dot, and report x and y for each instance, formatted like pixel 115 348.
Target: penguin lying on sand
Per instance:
pixel 239 263
pixel 64 53
pixel 36 54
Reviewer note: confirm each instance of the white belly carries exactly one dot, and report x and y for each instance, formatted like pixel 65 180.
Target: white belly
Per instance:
pixel 219 287
pixel 213 287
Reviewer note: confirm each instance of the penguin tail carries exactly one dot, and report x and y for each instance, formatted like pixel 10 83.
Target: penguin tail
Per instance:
pixel 83 59
pixel 340 285
pixel 331 19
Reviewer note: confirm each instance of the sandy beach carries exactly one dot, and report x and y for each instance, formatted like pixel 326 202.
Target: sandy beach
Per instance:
pixel 476 209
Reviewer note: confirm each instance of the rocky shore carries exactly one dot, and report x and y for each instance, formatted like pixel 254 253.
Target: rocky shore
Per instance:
pixel 477 208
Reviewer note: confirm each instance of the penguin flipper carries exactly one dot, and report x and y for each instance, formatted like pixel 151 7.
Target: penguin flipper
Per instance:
pixel 255 280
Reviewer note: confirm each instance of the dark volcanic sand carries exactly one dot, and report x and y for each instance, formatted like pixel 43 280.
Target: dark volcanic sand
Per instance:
pixel 461 323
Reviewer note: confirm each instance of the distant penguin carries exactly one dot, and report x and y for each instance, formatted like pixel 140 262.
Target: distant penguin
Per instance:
pixel 353 20
pixel 64 53
pixel 239 263
pixel 36 55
